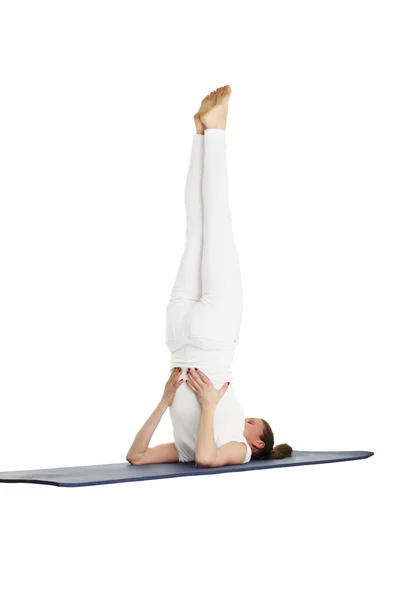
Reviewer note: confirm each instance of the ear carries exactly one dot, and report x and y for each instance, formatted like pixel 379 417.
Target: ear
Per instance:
pixel 259 444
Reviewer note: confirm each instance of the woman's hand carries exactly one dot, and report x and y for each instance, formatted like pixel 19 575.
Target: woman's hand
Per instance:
pixel 207 395
pixel 171 386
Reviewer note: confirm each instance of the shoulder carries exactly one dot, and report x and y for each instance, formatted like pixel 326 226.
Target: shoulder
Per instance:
pixel 233 452
pixel 248 451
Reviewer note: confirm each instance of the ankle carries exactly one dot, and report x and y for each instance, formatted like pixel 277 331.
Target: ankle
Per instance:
pixel 219 125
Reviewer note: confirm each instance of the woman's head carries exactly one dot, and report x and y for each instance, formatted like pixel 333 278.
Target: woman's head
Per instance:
pixel 260 438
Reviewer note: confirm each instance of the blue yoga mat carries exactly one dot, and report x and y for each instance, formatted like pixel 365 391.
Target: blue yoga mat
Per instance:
pixel 122 472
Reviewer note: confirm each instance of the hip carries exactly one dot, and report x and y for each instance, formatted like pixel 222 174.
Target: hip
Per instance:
pixel 202 325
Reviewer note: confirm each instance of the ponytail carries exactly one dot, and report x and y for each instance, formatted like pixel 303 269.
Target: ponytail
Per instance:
pixel 280 451
pixel 269 450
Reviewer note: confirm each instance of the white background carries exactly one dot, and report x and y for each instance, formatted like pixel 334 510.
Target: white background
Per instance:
pixel 96 114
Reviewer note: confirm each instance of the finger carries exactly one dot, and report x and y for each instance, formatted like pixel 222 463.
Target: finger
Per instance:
pixel 203 376
pixel 175 374
pixel 224 388
pixel 193 381
pixel 178 383
pixel 191 386
pixel 196 377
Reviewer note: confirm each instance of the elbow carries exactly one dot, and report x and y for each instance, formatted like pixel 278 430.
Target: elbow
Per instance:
pixel 204 462
pixel 132 460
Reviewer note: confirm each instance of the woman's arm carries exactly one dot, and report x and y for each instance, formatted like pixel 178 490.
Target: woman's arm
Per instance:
pixel 144 435
pixel 205 447
pixel 207 454
pixel 208 397
pixel 142 439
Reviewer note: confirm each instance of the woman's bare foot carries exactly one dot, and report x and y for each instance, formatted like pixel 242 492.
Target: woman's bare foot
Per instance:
pixel 206 104
pixel 215 116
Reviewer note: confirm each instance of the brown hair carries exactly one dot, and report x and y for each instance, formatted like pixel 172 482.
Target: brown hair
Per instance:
pixel 269 450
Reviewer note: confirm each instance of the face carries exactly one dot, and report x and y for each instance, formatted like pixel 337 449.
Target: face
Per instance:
pixel 253 431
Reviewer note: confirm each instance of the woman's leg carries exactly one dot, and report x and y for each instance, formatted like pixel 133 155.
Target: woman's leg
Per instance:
pixel 218 315
pixel 187 287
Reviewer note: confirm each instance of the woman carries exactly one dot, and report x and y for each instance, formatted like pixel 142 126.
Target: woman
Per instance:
pixel 203 319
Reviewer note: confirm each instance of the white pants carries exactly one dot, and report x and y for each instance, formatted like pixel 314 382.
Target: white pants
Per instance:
pixel 205 307
pixel 204 313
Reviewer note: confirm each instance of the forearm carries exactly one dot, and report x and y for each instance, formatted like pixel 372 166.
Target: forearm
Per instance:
pixel 144 435
pixel 205 446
